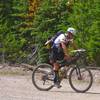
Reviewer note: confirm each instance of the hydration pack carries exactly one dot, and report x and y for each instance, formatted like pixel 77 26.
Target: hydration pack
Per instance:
pixel 56 35
pixel 52 39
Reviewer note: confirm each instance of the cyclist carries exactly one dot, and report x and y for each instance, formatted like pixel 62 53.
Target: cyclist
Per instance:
pixel 60 51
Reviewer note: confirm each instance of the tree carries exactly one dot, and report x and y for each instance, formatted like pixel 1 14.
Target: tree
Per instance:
pixel 51 17
pixel 14 31
pixel 85 18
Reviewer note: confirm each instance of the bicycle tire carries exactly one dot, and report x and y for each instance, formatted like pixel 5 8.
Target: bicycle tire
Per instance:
pixel 34 81
pixel 71 80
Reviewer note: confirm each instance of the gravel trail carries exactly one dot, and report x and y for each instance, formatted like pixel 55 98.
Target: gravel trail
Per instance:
pixel 21 88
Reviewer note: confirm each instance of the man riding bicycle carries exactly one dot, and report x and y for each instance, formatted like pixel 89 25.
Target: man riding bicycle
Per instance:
pixel 59 51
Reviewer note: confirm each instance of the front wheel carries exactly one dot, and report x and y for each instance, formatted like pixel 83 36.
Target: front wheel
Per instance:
pixel 42 77
pixel 80 79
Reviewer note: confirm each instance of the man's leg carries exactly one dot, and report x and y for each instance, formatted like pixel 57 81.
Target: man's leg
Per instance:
pixel 53 59
pixel 56 78
pixel 56 68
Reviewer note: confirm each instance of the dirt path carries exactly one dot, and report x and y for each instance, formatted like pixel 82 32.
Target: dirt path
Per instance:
pixel 21 88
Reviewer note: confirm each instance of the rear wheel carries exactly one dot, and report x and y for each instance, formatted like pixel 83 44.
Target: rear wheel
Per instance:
pixel 80 79
pixel 42 77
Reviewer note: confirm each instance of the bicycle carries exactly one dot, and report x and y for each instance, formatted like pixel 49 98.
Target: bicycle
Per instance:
pixel 80 77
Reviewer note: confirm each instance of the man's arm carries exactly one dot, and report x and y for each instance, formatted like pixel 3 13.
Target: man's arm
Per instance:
pixel 64 49
pixel 73 44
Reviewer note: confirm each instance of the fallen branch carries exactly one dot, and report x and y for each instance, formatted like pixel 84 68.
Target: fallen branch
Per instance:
pixel 27 66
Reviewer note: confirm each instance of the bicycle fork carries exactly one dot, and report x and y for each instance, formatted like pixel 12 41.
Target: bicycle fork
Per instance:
pixel 78 73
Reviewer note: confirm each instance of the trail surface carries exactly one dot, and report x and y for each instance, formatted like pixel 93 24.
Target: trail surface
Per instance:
pixel 21 88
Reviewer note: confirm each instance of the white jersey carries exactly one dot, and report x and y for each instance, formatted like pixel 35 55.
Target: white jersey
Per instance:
pixel 61 38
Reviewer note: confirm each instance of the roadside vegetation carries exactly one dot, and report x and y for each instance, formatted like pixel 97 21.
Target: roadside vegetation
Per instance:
pixel 25 23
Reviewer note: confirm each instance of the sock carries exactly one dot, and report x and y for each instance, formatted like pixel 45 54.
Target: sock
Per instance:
pixel 55 78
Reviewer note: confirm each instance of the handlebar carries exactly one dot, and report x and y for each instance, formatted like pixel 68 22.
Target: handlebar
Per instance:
pixel 78 50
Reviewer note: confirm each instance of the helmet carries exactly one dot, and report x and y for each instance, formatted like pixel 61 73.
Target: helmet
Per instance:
pixel 71 30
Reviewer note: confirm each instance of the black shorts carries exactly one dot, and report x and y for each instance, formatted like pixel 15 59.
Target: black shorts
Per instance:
pixel 56 54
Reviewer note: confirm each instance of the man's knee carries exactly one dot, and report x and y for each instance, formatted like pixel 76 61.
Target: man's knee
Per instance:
pixel 56 66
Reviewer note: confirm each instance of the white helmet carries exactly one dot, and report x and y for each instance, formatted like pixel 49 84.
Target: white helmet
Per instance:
pixel 71 30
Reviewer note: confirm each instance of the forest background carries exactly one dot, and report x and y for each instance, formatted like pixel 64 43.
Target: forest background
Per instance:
pixel 28 23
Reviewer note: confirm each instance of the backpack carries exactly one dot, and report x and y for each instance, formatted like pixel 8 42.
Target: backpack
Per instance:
pixel 54 38
pixel 56 35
